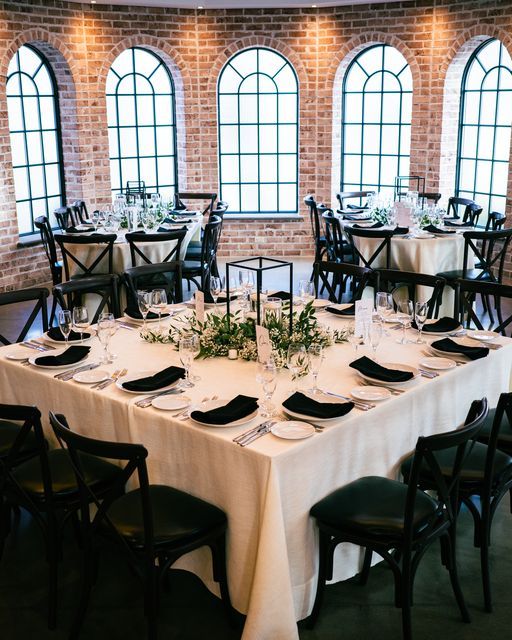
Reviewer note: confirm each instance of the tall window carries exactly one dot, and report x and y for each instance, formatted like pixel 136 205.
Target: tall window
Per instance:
pixel 484 127
pixel 35 137
pixel 376 117
pixel 258 132
pixel 141 122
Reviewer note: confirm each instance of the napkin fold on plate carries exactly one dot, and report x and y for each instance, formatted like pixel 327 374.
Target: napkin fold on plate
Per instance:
pixel 236 409
pixel 300 403
pixel 282 295
pixel 376 225
pixel 450 346
pixel 433 229
pixel 56 334
pixel 75 230
pixel 400 231
pixel 161 379
pixel 348 311
pixel 357 207
pixel 222 299
pixel 460 225
pixel 133 312
pixel 70 356
pixel 440 326
pixel 374 370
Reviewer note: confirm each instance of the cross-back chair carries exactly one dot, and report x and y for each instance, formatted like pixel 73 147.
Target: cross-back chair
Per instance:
pixel 39 297
pixel 339 273
pixel 84 256
pixel 427 196
pixel 316 230
pixel 71 294
pixel 391 280
pixel 141 244
pixel 80 209
pixel 353 195
pixel 200 271
pixel 465 295
pixel 43 224
pixel 66 217
pixel 164 275
pixel 382 250
pixel 209 197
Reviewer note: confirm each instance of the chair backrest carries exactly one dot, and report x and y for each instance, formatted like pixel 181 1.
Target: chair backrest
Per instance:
pixel 390 280
pixel 209 244
pixel 361 277
pixel 179 196
pixel 70 294
pixel 95 248
pixel 133 459
pixel 333 237
pixel 503 408
pixel 164 275
pixel 465 294
pixel 492 262
pixel 141 242
pixel 445 485
pixel 350 195
pixel 43 224
pixel 80 209
pixel 377 234
pixel 39 297
pixel 66 217
pixel 454 203
pixel 429 195
pixel 495 221
pixel 314 218
pixel 471 214
pixel 220 209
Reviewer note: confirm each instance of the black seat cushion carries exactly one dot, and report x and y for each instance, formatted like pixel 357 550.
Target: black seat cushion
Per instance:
pixel 504 436
pixel 473 469
pixel 177 516
pixel 191 265
pixel 471 274
pixel 97 472
pixel 373 506
pixel 8 433
pixel 193 253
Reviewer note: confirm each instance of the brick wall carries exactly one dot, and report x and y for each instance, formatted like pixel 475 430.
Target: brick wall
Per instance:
pixel 82 40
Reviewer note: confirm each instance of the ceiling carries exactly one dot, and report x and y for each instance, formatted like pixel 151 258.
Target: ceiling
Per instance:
pixel 231 4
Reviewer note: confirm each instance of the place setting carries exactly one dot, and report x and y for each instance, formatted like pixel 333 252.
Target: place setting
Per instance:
pixel 394 376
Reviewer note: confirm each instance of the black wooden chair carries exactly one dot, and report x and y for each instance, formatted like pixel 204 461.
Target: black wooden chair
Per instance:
pixel 339 273
pixel 135 188
pixel 504 429
pixel 316 230
pixel 154 525
pixel 70 294
pixel 393 280
pixel 337 248
pixel 384 247
pixel 399 521
pixel 39 296
pixel 361 196
pixel 80 209
pixel 42 482
pixel 43 224
pixel 470 213
pixel 487 475
pixel 429 196
pixel 465 294
pixel 139 241
pixel 164 275
pixel 66 217
pixel 210 198
pixel 199 271
pixel 97 250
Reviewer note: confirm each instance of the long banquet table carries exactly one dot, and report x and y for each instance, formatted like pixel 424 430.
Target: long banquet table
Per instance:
pixel 267 488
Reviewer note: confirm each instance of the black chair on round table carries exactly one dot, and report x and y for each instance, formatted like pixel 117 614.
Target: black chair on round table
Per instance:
pixel 383 248
pixel 199 271
pixel 360 196
pixel 39 297
pixel 339 273
pixel 104 287
pixel 403 285
pixel 43 224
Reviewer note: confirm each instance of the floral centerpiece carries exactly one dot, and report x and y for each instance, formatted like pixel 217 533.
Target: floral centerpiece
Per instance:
pixel 218 334
pixel 381 214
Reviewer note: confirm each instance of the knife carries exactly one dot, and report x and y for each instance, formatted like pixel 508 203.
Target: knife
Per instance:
pixel 248 434
pixel 67 375
pixel 261 431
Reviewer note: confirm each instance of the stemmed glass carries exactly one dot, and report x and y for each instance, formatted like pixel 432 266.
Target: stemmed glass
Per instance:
pixel 187 351
pixel 159 303
pixel 374 335
pixel 384 305
pixel 306 291
pixel 297 361
pixel 81 321
pixel 267 377
pixel 216 285
pixel 144 302
pixel 65 322
pixel 104 332
pixel 420 315
pixel 316 356
pixel 404 315
pixel 110 321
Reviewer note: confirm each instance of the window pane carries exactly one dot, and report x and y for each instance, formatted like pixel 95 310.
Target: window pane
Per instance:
pixel 260 117
pixel 18 154
pixel 140 110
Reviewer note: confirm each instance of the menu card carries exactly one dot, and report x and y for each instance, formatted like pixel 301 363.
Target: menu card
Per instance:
pixel 364 311
pixel 263 342
pixel 199 301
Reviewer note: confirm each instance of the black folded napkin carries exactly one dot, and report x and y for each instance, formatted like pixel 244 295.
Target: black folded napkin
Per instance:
pixel 432 229
pixel 357 207
pixel 56 334
pixel 300 403
pixel 449 346
pixel 235 409
pixel 348 311
pixel 180 221
pixel 356 218
pixel 134 313
pixel 373 370
pixel 376 225
pixel 70 356
pixel 401 231
pixel 161 379
pixel 447 223
pixel 75 230
pixel 282 295
pixel 222 299
pixel 440 326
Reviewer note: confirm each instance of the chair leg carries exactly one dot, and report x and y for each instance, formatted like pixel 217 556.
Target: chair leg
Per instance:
pixel 405 598
pixel 151 601
pixel 52 551
pixel 218 549
pixel 486 576
pixel 367 563
pixel 87 583
pixel 449 541
pixel 323 570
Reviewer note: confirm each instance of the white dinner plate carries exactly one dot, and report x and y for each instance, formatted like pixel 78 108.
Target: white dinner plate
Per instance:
pixel 392 365
pixel 57 352
pixel 438 364
pixel 320 397
pixel 439 333
pixel 148 321
pixel 370 394
pixel 457 357
pixel 319 303
pixel 91 376
pixel 214 404
pixel 142 374
pixel 420 235
pixel 482 336
pixel 171 403
pixel 392 318
pixel 21 353
pixel 292 430
pixel 77 341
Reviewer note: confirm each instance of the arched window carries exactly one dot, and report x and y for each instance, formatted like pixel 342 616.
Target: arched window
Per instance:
pixel 484 127
pixel 258 132
pixel 141 122
pixel 36 147
pixel 376 120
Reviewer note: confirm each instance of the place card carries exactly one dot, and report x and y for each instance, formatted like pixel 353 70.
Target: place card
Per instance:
pixel 263 343
pixel 363 314
pixel 199 301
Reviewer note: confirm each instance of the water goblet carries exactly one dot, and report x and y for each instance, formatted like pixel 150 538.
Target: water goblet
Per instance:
pixel 307 291
pixel 267 377
pixel 81 321
pixel 144 302
pixel 405 310
pixel 104 332
pixel 159 303
pixel 420 315
pixel 196 349
pixel 297 361
pixel 65 323
pixel 374 336
pixel 216 285
pixel 316 357
pixel 187 352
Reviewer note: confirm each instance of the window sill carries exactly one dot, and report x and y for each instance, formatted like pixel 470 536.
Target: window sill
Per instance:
pixel 263 216
pixel 30 240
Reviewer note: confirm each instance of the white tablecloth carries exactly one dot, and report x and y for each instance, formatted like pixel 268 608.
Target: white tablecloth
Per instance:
pixel 267 488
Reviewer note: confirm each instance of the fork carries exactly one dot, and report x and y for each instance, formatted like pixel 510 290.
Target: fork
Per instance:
pixel 98 384
pixel 114 378
pixel 363 406
pixel 428 374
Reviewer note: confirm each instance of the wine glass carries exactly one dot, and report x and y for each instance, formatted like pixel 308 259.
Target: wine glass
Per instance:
pixel 196 349
pixel 104 331
pixel 187 352
pixel 297 361
pixel 144 302
pixel 81 321
pixel 109 318
pixel 420 315
pixel 307 291
pixel 384 305
pixel 316 356
pixel 159 303
pixel 216 285
pixel 267 377
pixel 65 322
pixel 374 336
pixel 405 310
pixel 95 219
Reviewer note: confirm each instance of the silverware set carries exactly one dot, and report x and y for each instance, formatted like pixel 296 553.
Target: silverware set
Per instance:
pixel 67 375
pixel 359 404
pixel 37 346
pixel 253 434
pixel 394 391
pixel 113 378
